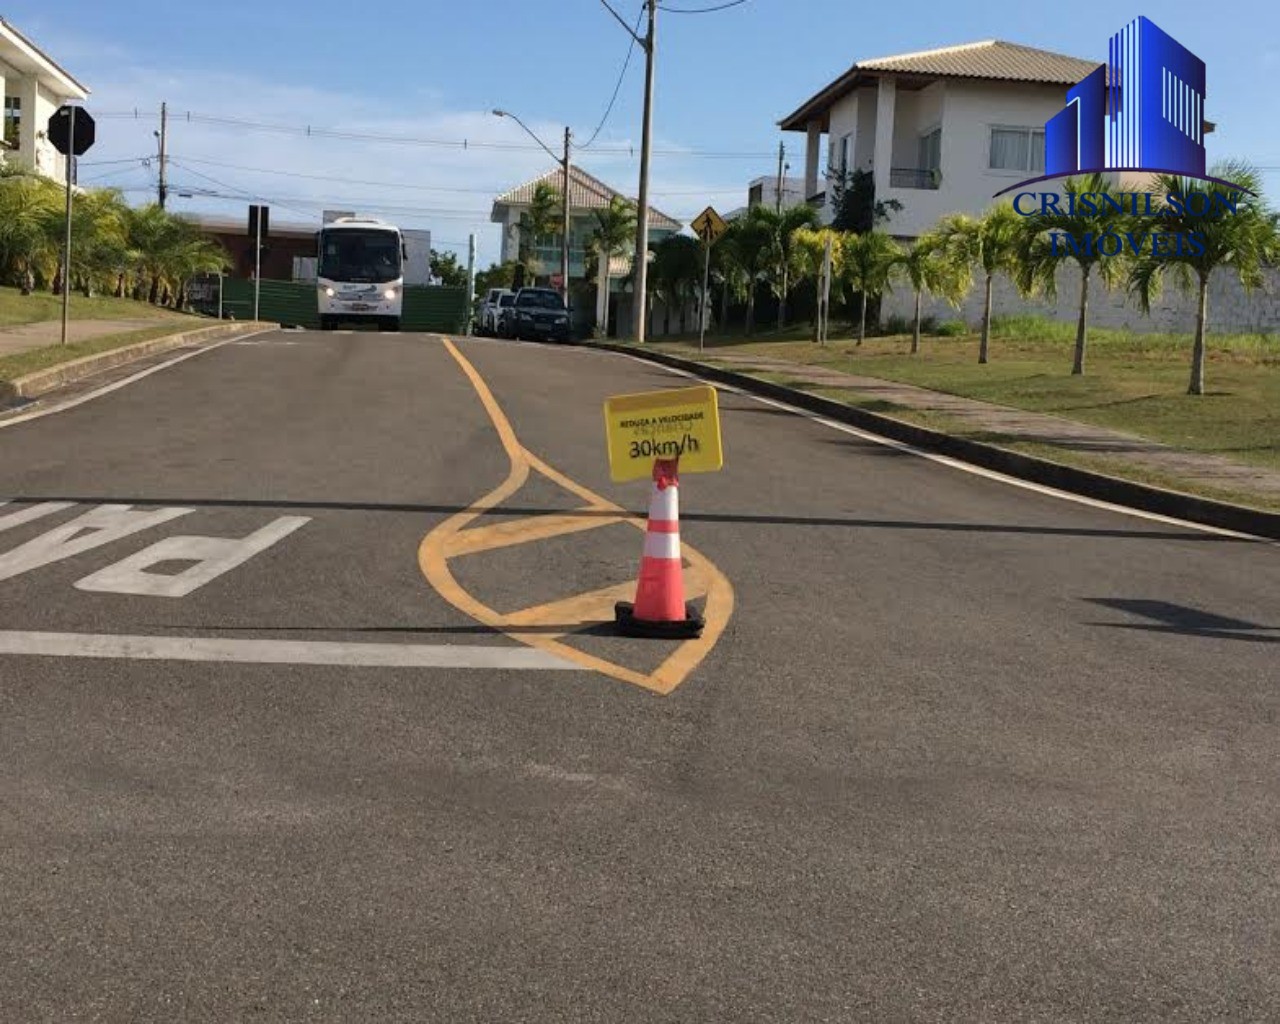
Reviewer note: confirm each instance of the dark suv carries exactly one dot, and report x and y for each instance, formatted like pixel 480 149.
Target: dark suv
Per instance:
pixel 536 313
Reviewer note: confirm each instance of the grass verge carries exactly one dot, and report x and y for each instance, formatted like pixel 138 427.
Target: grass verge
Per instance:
pixel 1135 383
pixel 22 363
pixel 16 308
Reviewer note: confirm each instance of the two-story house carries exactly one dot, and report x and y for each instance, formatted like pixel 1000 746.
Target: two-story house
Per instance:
pixel 941 130
pixel 33 87
pixel 586 195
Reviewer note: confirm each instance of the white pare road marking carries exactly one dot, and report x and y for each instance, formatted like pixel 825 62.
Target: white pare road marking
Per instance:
pixel 279 652
pixel 212 556
pixel 13 520
pixel 97 527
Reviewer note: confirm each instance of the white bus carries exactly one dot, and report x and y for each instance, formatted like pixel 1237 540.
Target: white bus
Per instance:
pixel 360 273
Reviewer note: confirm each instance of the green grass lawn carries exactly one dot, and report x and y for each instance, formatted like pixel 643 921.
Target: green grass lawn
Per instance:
pixel 15 366
pixel 16 308
pixel 1133 382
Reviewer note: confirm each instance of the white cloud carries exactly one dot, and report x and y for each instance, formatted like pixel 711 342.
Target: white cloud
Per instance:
pixel 445 188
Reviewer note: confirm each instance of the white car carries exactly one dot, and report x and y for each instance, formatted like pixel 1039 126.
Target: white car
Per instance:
pixel 491 307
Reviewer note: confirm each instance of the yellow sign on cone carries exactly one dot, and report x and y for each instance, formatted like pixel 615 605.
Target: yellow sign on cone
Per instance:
pixel 680 424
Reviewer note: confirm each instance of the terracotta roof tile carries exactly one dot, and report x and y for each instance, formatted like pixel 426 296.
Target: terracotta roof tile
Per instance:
pixel 585 193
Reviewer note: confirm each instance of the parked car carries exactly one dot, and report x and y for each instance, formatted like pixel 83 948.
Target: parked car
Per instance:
pixel 490 308
pixel 536 313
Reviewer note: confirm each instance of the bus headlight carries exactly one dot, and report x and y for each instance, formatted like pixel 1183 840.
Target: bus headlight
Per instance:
pixel 390 293
pixel 329 292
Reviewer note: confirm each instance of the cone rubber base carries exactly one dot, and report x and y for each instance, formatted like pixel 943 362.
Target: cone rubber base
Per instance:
pixel 689 628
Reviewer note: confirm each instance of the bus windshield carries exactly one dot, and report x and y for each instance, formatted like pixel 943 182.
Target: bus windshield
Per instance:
pixel 359 255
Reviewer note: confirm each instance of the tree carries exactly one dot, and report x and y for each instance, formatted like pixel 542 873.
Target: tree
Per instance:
pixel 1245 241
pixel 990 244
pixel 870 260
pixel 1049 237
pixel 749 246
pixel 614 233
pixel 853 198
pixel 539 221
pixel 445 266
pixel 785 224
pixel 676 275
pixel 808 253
pixel 498 275
pixel 925 265
pixel 29 206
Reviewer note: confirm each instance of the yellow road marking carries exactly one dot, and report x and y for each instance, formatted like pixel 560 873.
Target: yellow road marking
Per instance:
pixel 520 531
pixel 452 539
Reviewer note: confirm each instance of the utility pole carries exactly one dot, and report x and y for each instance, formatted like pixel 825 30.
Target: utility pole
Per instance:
pixel 164 139
pixel 66 248
pixel 642 215
pixel 471 278
pixel 564 233
pixel 782 155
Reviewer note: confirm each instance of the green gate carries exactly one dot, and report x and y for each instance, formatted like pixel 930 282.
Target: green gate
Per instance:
pixel 292 304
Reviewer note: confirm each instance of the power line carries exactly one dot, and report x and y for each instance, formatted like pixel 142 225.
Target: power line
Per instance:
pixel 701 10
pixel 631 48
pixel 493 191
pixel 312 131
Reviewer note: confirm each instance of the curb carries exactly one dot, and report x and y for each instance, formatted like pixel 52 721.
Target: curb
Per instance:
pixel 41 382
pixel 1099 486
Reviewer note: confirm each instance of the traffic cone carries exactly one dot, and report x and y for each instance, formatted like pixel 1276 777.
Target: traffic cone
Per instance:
pixel 659 609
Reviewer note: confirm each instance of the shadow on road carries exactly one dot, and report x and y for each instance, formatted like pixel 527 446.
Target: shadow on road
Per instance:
pixel 1165 617
pixel 688 517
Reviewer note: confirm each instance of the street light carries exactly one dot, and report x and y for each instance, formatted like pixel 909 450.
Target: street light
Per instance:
pixel 564 197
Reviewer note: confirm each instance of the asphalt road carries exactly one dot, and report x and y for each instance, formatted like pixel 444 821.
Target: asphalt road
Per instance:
pixel 964 751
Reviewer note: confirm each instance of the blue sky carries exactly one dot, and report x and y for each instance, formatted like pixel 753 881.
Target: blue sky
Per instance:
pixel 434 70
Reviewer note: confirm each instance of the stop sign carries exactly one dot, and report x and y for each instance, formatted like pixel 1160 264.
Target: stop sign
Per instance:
pixel 71 130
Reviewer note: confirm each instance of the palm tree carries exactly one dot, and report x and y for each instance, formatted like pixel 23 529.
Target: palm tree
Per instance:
pixel 29 247
pixel 750 248
pixel 540 220
pixel 101 249
pixel 676 273
pixel 870 260
pixel 927 268
pixel 1245 241
pixel 614 233
pixel 990 244
pixel 1049 237
pixel 727 272
pixel 782 226
pixel 808 252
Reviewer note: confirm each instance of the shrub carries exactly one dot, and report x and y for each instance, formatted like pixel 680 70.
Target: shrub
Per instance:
pixel 951 329
pixel 896 325
pixel 928 325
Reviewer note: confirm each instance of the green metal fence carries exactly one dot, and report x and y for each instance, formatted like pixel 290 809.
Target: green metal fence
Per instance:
pixel 294 305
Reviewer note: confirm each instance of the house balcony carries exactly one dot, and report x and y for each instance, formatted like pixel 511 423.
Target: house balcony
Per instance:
pixel 915 177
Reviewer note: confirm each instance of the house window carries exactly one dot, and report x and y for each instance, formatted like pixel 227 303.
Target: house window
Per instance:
pixel 1017 149
pixel 930 154
pixel 12 120
pixel 844 153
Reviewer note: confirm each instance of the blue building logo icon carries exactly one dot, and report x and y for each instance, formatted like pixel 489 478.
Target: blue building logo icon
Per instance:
pixel 1141 111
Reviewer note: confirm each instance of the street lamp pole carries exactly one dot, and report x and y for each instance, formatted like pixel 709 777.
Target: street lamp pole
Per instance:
pixel 564 196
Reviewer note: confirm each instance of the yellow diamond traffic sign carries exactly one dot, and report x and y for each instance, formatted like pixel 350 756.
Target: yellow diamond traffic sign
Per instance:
pixel 709 225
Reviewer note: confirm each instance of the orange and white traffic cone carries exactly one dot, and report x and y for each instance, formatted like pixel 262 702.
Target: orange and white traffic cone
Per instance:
pixel 659 609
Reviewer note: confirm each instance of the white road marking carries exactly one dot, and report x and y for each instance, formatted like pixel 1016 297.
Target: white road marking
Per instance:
pixel 29 515
pixel 99 526
pixel 108 388
pixel 212 556
pixel 279 652
pixel 964 467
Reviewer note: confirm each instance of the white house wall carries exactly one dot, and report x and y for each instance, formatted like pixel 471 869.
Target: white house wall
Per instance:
pixel 1231 308
pixel 969 110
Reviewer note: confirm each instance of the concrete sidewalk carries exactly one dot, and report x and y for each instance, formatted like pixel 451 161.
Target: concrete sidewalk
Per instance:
pixel 21 337
pixel 996 424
